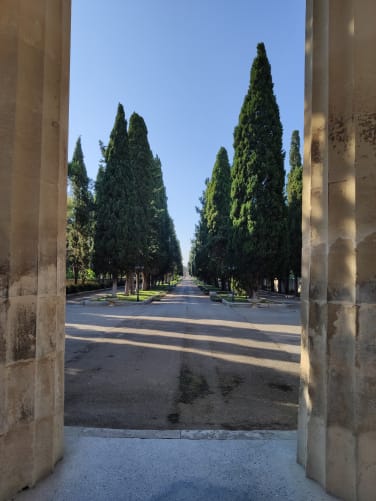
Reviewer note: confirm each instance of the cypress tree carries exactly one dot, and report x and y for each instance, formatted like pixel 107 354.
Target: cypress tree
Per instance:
pixel 114 248
pixel 160 226
pixel 258 207
pixel 200 260
pixel 141 159
pixel 217 214
pixel 80 221
pixel 294 199
pixel 175 256
pixel 100 257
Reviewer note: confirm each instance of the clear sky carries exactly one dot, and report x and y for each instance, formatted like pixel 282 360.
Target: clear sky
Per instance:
pixel 184 66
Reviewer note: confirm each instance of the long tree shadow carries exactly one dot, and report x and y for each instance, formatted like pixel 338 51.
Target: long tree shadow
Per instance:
pixel 235 348
pixel 138 368
pixel 216 328
pixel 243 396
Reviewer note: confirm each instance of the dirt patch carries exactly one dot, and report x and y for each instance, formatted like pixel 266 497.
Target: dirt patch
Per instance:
pixel 228 383
pixel 191 386
pixel 281 386
pixel 174 418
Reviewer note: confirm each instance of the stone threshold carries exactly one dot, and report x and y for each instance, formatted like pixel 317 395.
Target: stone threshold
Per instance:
pixel 76 431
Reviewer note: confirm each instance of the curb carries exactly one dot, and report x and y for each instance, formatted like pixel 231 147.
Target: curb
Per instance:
pixel 216 434
pixel 235 304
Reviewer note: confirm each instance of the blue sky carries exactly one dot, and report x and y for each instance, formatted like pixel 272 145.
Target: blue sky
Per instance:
pixel 184 66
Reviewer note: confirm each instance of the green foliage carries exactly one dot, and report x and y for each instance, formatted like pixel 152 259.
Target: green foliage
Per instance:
pixel 217 216
pixel 115 251
pixel 175 257
pixel 295 157
pixel 164 248
pixel 258 206
pixel 160 226
pixel 143 295
pixel 210 251
pixel 133 227
pixel 294 198
pixel 80 216
pixel 87 286
pixel 141 159
pixel 199 255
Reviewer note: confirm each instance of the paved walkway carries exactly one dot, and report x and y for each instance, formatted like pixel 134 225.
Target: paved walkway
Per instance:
pixel 102 464
pixel 185 362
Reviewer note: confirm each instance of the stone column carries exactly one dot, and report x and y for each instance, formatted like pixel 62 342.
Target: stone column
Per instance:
pixel 337 415
pixel 34 73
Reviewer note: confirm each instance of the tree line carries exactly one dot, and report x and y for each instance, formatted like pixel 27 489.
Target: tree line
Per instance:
pixel 122 224
pixel 248 230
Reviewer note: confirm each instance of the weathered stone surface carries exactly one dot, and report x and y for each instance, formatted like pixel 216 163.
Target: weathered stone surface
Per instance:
pixel 4 306
pixel 58 437
pixel 45 387
pixel 21 339
pixel 338 370
pixel 34 61
pixel 21 393
pixel 59 383
pixel 60 323
pixel 3 399
pixel 367 462
pixel 16 462
pixel 341 468
pixel 43 453
pixel 366 370
pixel 47 326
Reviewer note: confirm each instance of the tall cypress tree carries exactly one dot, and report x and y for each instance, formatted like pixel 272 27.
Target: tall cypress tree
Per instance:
pixel 80 221
pixel 115 187
pixel 175 256
pixel 200 256
pixel 100 257
pixel 294 199
pixel 217 214
pixel 141 159
pixel 258 207
pixel 159 231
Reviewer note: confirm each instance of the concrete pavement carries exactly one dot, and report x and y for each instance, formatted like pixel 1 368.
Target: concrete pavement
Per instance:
pixel 177 465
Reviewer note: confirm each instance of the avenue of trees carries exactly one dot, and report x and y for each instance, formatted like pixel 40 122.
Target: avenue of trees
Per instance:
pixel 124 225
pixel 247 230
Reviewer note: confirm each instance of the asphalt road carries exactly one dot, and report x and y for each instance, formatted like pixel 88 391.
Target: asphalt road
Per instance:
pixel 185 362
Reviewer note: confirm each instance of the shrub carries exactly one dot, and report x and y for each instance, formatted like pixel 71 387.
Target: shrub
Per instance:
pixel 88 286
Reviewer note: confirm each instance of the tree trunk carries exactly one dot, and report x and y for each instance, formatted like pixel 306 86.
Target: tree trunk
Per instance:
pixel 75 273
pixel 256 285
pixel 296 285
pixel 272 285
pixel 146 281
pixel 114 286
pixel 129 283
pixel 223 282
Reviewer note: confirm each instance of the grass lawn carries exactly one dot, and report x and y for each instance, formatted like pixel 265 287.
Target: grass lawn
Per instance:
pixel 237 299
pixel 143 295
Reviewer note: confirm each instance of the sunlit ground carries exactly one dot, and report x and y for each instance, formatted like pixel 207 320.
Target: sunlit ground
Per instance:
pixel 243 334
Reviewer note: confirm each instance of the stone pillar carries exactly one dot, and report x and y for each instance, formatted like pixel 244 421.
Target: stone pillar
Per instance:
pixel 337 415
pixel 34 73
